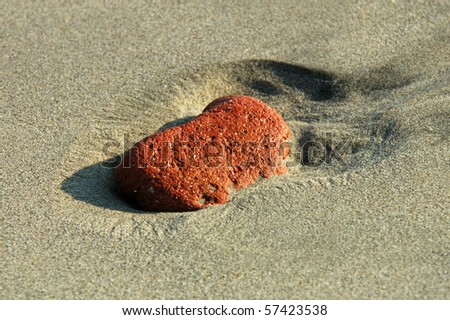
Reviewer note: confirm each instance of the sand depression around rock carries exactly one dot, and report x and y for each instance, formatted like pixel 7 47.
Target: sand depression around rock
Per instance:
pixel 234 141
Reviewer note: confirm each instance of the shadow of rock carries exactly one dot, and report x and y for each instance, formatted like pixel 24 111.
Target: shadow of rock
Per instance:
pixel 95 185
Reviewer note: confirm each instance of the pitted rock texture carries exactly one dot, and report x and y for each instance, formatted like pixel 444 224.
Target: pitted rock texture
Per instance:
pixel 233 142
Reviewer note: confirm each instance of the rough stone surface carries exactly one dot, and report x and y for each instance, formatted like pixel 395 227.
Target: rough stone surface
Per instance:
pixel 232 143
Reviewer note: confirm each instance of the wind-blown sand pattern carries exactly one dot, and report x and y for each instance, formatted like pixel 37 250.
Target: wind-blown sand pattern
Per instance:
pixel 83 82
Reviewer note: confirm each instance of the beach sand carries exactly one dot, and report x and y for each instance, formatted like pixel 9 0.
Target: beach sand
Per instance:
pixel 82 82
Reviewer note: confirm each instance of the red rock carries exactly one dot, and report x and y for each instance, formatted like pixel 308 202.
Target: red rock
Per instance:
pixel 233 142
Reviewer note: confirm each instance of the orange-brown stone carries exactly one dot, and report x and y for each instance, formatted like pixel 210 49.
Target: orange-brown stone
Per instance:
pixel 233 142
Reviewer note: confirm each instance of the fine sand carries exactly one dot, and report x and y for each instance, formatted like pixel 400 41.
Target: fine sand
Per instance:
pixel 81 82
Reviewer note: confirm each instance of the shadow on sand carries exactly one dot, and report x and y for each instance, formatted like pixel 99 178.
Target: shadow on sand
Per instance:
pixel 95 184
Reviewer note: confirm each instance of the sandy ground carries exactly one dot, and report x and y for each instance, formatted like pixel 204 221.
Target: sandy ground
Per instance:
pixel 81 82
